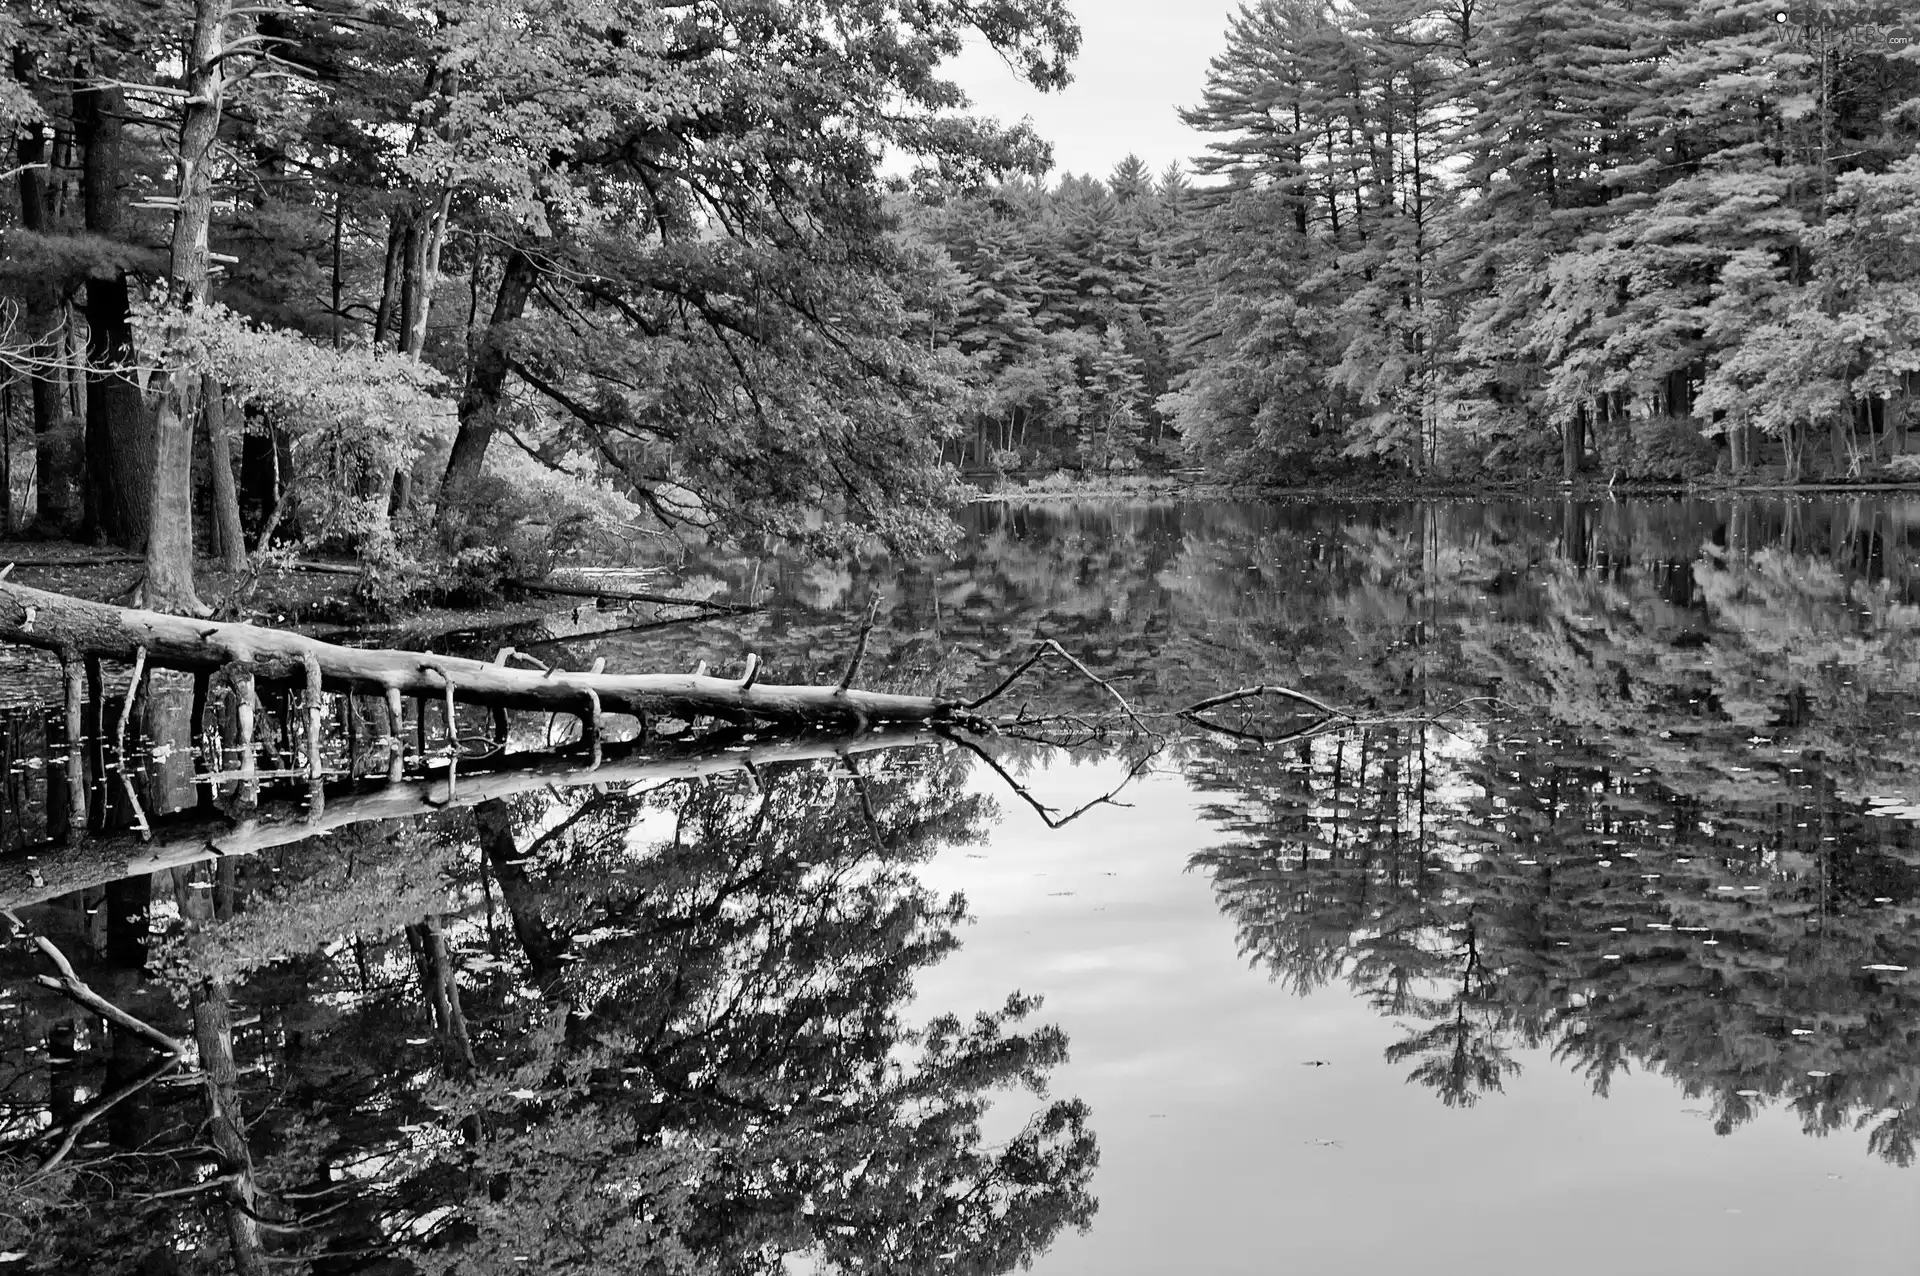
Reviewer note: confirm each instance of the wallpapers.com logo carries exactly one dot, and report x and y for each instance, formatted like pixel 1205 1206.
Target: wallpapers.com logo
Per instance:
pixel 1867 23
pixel 1849 27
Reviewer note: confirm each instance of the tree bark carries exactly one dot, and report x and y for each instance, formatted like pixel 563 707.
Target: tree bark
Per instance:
pixel 129 905
pixel 119 437
pixel 118 442
pixel 426 223
pixel 494 820
pixel 383 313
pixel 226 1124
pixel 54 470
pixel 57 622
pixel 1573 443
pixel 480 400
pixel 169 583
pixel 226 494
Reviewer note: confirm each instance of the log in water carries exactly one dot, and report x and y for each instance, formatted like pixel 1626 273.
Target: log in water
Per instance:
pixel 77 629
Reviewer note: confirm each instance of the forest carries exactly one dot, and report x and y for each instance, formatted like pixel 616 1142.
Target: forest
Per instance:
pixel 310 968
pixel 482 282
pixel 461 291
pixel 1647 240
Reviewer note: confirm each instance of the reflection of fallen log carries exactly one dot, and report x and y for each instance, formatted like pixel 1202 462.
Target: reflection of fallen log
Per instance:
pixel 78 629
pixel 183 840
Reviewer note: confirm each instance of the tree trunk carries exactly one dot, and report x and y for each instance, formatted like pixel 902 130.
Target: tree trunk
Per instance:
pixel 226 1124
pixel 383 314
pixel 1628 464
pixel 1679 392
pixel 54 470
pixel 440 989
pixel 57 622
pixel 119 438
pixel 54 467
pixel 1575 545
pixel 116 450
pixel 1573 443
pixel 480 401
pixel 494 819
pixel 169 583
pixel 426 234
pixel 129 905
pixel 226 494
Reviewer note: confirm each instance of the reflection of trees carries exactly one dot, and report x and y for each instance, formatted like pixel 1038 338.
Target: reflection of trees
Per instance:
pixel 1657 852
pixel 1526 891
pixel 653 1031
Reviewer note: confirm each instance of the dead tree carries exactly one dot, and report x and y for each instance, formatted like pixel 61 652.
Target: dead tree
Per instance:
pixel 78 631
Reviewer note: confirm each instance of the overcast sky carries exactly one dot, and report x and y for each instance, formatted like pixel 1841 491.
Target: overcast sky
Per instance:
pixel 1140 60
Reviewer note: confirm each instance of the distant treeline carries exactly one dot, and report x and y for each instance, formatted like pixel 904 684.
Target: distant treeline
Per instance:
pixel 1637 238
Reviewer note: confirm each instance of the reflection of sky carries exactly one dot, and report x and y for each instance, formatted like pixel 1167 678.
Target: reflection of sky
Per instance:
pixel 1209 1119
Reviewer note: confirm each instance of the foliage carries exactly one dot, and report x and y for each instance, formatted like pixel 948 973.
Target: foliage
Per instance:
pixel 1534 227
pixel 650 245
pixel 1053 300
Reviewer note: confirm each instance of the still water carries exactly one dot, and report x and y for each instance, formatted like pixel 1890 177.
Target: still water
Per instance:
pixel 1591 947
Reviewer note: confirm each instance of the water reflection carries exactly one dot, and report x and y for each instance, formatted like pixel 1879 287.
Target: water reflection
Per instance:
pixel 1546 895
pixel 646 1024
pixel 1676 832
pixel 1667 823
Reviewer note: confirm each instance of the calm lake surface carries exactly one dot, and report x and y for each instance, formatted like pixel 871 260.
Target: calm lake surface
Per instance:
pixel 1593 947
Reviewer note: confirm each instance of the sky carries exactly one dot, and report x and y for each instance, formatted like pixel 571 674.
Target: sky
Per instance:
pixel 1140 60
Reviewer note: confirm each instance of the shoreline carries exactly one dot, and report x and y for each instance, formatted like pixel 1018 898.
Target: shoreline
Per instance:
pixel 1173 487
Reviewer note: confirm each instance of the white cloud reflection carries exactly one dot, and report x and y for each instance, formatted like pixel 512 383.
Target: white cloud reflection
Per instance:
pixel 1219 1142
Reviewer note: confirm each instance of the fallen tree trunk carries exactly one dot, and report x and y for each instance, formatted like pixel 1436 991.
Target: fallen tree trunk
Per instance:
pixel 179 841
pixel 78 629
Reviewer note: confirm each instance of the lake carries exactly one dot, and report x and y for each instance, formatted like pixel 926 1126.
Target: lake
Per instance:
pixel 1590 944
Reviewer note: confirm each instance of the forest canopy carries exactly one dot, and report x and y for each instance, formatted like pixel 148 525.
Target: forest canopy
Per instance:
pixel 1518 238
pixel 1619 235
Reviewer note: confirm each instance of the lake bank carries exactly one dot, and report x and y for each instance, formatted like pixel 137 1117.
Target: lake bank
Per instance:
pixel 1060 486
